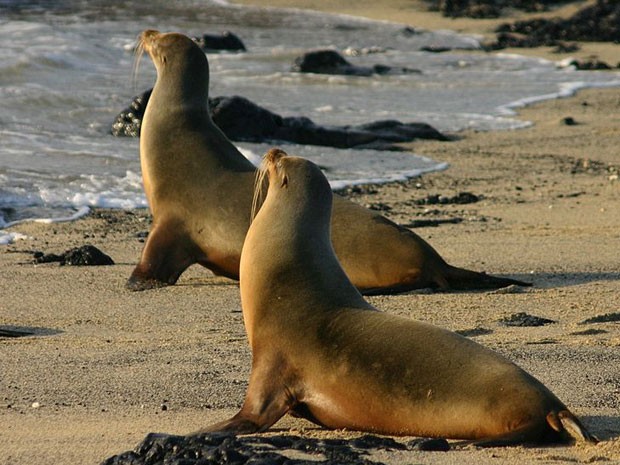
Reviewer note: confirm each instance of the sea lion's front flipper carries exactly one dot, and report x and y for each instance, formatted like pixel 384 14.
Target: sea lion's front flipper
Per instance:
pixel 268 399
pixel 254 417
pixel 238 424
pixel 166 255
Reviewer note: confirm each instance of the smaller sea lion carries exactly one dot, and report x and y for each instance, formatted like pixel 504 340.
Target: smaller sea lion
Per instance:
pixel 320 351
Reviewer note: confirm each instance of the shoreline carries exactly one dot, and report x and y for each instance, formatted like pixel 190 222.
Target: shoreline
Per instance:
pixel 414 13
pixel 514 110
pixel 103 361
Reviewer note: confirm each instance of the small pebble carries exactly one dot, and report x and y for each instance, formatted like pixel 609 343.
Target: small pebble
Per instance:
pixel 588 332
pixel 605 318
pixel 523 319
pixel 36 405
pixel 434 445
pixel 512 289
pixel 474 332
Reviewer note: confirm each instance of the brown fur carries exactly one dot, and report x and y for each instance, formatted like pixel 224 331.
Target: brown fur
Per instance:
pixel 199 188
pixel 322 352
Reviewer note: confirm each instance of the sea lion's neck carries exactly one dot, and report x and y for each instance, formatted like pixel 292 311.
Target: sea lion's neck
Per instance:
pixel 178 98
pixel 287 256
pixel 182 87
pixel 179 112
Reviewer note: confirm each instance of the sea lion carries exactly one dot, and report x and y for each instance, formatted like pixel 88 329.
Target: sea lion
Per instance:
pixel 199 188
pixel 320 351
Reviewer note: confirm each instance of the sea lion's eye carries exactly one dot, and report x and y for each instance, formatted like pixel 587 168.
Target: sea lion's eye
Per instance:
pixel 284 182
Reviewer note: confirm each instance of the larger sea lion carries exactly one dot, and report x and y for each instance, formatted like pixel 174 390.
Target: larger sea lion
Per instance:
pixel 320 351
pixel 199 188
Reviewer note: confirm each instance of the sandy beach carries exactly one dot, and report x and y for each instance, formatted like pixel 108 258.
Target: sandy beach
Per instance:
pixel 105 366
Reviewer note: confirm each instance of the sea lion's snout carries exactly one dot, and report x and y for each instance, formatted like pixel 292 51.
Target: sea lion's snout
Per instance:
pixel 146 41
pixel 271 165
pixel 272 157
pixel 267 170
pixel 145 44
pixel 147 36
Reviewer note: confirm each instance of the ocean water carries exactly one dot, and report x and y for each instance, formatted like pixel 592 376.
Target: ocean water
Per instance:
pixel 66 71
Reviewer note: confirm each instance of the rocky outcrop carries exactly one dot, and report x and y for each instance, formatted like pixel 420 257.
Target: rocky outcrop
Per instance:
pixel 86 255
pixel 128 122
pixel 228 449
pixel 487 8
pixel 227 41
pixel 242 120
pixel 599 22
pixel 331 62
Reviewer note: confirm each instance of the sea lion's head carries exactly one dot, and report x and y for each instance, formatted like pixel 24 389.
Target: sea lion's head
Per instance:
pixel 177 58
pixel 296 182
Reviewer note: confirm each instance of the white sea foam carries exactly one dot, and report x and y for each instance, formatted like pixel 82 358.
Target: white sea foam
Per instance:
pixel 7 238
pixel 391 177
pixel 565 89
pixel 82 211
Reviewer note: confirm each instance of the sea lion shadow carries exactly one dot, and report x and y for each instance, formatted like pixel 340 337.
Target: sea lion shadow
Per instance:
pixel 13 331
pixel 604 427
pixel 207 281
pixel 545 280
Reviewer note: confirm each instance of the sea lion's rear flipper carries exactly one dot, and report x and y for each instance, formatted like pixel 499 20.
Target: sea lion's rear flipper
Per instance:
pixel 560 427
pixel 445 278
pixel 462 279
pixel 567 423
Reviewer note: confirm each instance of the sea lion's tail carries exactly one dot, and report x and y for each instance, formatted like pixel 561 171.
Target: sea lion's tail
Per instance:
pixel 564 422
pixel 462 279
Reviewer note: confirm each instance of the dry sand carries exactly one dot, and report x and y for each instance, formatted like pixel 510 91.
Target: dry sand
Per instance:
pixel 103 363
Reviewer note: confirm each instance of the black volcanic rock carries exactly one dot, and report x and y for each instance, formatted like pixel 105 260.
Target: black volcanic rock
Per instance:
pixel 242 120
pixel 127 122
pixel 331 62
pixel 523 319
pixel 599 22
pixel 86 255
pixel 228 449
pixel 227 41
pixel 488 8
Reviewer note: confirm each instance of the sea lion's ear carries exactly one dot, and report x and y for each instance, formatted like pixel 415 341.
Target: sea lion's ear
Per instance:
pixel 284 181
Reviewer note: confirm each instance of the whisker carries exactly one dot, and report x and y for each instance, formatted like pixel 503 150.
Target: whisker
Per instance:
pixel 260 184
pixel 138 52
pixel 259 188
